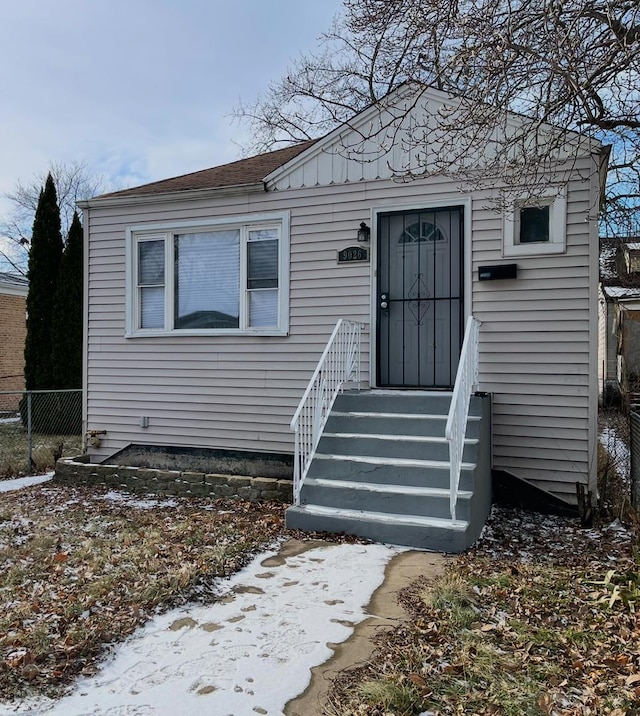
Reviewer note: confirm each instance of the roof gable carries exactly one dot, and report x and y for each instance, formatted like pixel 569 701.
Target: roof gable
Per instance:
pixel 404 135
pixel 369 146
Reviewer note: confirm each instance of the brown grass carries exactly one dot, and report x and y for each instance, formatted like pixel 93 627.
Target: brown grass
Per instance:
pixel 80 571
pixel 14 450
pixel 540 618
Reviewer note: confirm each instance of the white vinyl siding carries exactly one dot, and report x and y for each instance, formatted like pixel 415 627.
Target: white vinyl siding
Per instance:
pixel 537 337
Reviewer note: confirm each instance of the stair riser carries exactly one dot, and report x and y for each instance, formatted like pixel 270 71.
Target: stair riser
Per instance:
pixel 439 539
pixel 371 402
pixel 405 449
pixel 393 403
pixel 429 427
pixel 387 474
pixel 387 502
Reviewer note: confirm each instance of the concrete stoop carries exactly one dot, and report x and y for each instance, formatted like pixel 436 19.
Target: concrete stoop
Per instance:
pixel 381 471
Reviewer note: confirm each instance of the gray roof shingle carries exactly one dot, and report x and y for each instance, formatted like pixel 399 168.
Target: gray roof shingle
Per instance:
pixel 13 278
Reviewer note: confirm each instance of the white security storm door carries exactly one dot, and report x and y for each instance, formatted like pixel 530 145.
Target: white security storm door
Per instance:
pixel 420 297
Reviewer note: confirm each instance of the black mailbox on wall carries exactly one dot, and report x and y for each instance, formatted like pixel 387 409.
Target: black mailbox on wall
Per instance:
pixel 492 273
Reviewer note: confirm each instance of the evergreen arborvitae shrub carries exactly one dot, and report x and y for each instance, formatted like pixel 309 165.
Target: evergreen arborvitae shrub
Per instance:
pixel 45 255
pixel 66 327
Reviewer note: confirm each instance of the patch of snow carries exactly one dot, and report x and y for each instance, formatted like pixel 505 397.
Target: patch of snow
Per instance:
pixel 251 652
pixel 20 482
pixel 617 450
pixel 16 531
pixel 15 419
pixel 621 292
pixel 151 503
pixel 607 268
pixel 618 527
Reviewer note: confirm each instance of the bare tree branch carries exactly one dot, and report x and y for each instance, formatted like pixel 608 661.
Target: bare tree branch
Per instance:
pixel 571 64
pixel 74 181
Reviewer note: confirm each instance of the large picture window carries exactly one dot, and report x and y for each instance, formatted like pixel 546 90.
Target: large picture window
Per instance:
pixel 227 277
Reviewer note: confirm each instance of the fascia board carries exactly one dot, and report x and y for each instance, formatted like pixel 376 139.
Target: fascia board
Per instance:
pixel 13 289
pixel 187 195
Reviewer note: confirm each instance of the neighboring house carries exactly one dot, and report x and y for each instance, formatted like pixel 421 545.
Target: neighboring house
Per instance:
pixel 619 320
pixel 13 331
pixel 211 297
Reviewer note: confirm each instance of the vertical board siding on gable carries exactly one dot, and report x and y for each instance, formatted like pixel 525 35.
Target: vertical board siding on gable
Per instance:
pixel 241 392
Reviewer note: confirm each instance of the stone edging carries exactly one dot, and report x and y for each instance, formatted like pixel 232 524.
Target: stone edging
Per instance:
pixel 142 480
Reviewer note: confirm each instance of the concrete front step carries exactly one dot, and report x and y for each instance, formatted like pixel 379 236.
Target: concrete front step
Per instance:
pixel 418 447
pixel 394 424
pixel 382 498
pixel 440 535
pixel 382 471
pixel 389 470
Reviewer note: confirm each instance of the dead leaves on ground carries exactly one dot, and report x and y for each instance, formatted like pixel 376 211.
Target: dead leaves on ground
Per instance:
pixel 79 570
pixel 540 618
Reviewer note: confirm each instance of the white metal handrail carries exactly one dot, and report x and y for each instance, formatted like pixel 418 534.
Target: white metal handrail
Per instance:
pixel 466 383
pixel 339 364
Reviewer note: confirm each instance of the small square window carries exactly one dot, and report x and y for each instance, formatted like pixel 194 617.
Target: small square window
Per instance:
pixel 534 224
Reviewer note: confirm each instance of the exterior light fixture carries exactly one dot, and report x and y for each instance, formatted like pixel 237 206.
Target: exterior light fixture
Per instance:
pixel 364 232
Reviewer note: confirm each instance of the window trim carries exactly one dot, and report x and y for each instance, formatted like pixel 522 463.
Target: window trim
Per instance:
pixel 166 231
pixel 556 199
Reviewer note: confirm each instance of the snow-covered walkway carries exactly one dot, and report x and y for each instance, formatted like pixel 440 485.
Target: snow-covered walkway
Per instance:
pixel 248 653
pixel 20 482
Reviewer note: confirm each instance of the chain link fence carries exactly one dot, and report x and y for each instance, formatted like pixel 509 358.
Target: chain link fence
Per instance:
pixel 614 485
pixel 37 427
pixel 634 418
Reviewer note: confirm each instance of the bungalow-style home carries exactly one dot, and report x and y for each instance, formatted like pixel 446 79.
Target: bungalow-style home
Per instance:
pixel 619 321
pixel 390 343
pixel 13 332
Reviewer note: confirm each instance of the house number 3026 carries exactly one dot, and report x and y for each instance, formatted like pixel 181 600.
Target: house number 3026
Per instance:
pixel 353 253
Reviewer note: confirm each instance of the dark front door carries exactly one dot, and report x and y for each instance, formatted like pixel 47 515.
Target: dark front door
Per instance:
pixel 420 301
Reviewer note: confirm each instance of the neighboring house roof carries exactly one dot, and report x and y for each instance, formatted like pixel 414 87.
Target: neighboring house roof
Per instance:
pixel 13 278
pixel 244 171
pixel 618 283
pixel 621 292
pixel 13 284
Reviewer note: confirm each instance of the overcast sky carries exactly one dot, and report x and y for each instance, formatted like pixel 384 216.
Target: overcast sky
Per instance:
pixel 139 90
